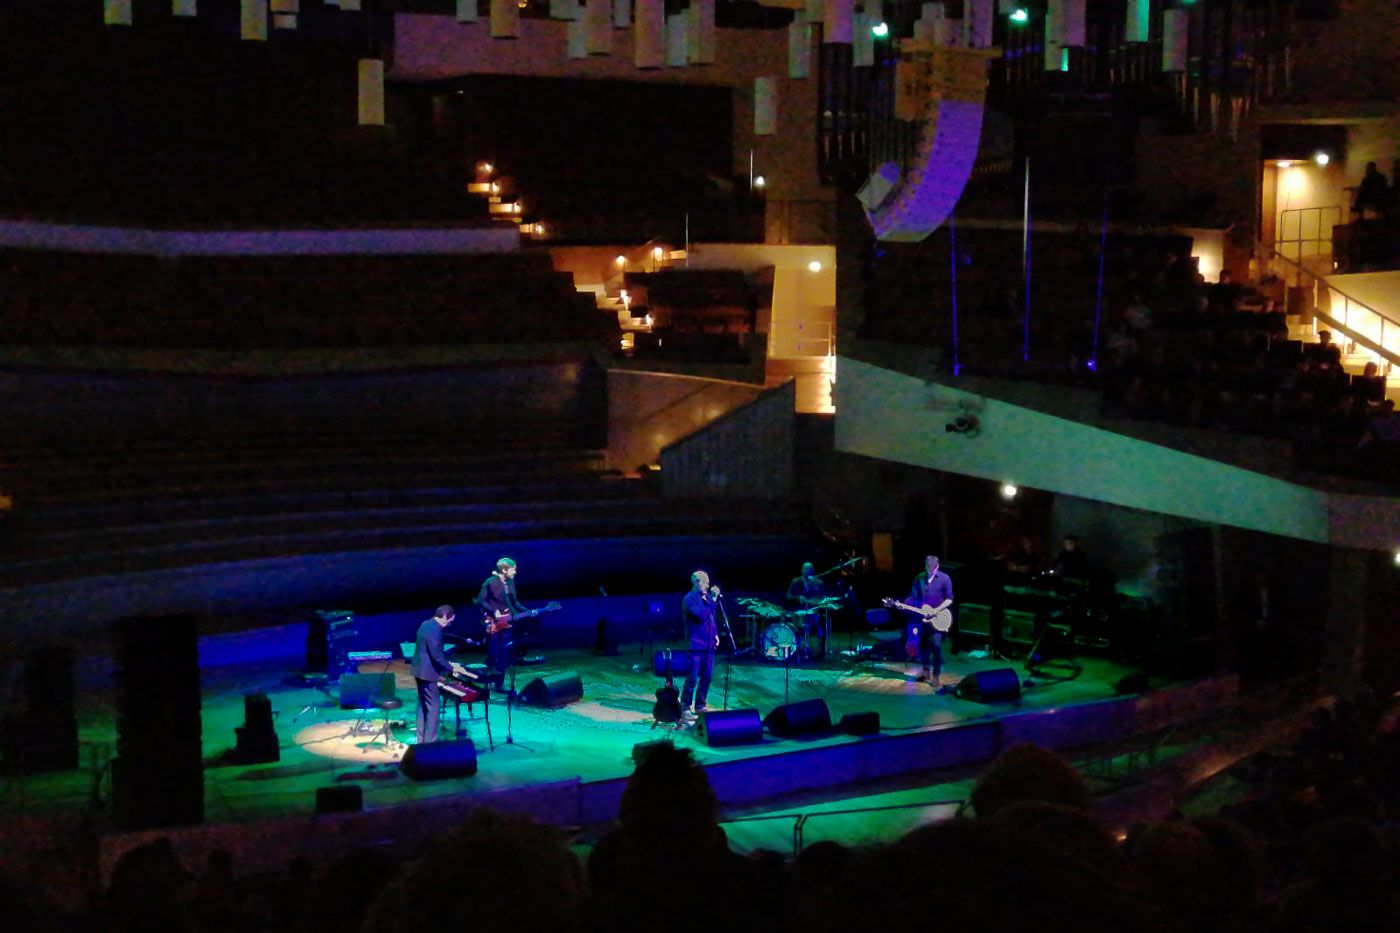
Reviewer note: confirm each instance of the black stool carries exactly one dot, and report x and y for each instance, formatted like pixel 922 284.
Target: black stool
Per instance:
pixel 386 729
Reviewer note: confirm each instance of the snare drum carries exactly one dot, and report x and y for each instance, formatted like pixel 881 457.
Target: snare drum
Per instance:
pixel 778 642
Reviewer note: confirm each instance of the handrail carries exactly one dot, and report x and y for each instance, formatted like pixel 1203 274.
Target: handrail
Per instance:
pixel 800 819
pixel 1376 344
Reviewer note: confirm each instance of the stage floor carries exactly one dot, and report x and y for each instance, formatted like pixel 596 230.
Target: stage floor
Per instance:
pixel 589 740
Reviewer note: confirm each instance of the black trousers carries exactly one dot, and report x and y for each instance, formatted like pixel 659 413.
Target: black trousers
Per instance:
pixel 429 705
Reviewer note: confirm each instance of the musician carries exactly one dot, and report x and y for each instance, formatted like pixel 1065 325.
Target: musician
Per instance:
pixel 698 610
pixel 497 598
pixel 806 592
pixel 431 667
pixel 933 588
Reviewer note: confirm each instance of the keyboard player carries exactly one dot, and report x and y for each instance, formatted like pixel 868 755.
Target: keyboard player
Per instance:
pixel 430 668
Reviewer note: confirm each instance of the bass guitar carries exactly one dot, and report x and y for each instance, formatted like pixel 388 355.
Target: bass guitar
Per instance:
pixel 500 621
pixel 668 698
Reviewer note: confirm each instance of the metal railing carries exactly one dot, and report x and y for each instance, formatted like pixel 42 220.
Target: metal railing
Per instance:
pixel 1368 329
pixel 1306 232
pixel 800 820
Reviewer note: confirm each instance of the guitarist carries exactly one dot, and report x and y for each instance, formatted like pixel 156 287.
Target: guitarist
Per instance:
pixel 497 600
pixel 932 588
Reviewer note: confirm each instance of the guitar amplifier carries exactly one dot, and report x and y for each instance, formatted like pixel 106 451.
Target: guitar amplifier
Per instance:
pixel 975 619
pixel 1018 628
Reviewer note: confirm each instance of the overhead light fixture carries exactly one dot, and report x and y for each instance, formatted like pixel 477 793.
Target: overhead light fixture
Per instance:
pixel 621 261
pixel 880 30
pixel 1009 490
pixel 759 181
pixel 1285 163
pixel 1322 158
pixel 814 266
pixel 1019 16
pixel 657 253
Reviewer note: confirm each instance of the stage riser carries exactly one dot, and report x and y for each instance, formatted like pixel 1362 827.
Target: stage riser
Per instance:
pixel 740 783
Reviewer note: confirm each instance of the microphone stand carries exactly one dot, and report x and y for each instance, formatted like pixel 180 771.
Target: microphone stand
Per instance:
pixel 733 646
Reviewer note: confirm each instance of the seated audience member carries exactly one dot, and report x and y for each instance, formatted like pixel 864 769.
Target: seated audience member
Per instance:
pixel 1370 385
pixel 669 839
pixel 1224 296
pixel 1324 350
pixel 1382 433
pixel 1205 874
pixel 1071 562
pixel 1138 315
pixel 148 890
pixel 497 871
pixel 1029 773
pixel 1349 885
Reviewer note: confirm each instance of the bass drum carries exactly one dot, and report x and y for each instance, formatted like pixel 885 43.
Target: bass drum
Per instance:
pixel 778 642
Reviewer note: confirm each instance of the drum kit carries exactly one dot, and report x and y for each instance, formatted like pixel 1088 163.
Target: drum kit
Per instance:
pixel 785 633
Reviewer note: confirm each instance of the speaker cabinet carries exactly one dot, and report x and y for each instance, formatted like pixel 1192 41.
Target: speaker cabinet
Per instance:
pixel 342 798
pixel 360 691
pixel 438 760
pixel 720 728
pixel 554 691
pixel 860 723
pixel 805 718
pixel 975 620
pixel 1019 628
pixel 1002 683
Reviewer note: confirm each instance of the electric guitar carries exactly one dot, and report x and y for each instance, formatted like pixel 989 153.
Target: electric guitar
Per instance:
pixel 668 698
pixel 940 619
pixel 500 621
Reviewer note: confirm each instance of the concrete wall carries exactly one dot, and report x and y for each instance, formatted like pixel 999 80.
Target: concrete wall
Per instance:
pixel 649 411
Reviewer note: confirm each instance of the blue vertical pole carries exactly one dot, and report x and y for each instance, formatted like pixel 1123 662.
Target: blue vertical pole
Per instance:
pixel 1026 264
pixel 1098 294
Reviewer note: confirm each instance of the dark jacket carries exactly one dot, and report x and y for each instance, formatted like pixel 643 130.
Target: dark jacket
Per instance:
pixel 429 660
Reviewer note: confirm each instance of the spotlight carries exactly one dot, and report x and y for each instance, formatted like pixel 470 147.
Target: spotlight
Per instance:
pixel 1322 158
pixel 1397 557
pixel 621 261
pixel 759 181
pixel 880 30
pixel 1009 490
pixel 1020 16
pixel 963 424
pixel 814 266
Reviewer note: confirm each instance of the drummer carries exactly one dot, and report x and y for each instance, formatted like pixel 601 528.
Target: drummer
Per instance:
pixel 807 595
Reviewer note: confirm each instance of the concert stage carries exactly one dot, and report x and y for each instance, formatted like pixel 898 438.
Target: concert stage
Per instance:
pixel 568 765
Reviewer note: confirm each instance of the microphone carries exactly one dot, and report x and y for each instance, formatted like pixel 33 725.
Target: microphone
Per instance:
pixel 714 591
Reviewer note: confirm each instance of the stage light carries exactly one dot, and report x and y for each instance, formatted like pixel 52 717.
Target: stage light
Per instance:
pixel 657 253
pixel 1322 158
pixel 1009 490
pixel 880 30
pixel 1284 163
pixel 963 424
pixel 621 261
pixel 814 266
pixel 1397 557
pixel 759 181
pixel 1020 16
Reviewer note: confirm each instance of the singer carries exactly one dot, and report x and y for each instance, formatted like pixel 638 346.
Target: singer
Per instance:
pixel 698 609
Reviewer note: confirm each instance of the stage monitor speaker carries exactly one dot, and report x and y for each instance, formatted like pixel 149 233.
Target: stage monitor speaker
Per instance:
pixel 860 723
pixel 360 691
pixel 341 798
pixel 554 691
pixel 720 728
pixel 679 659
pixel 438 760
pixel 805 718
pixel 1002 683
